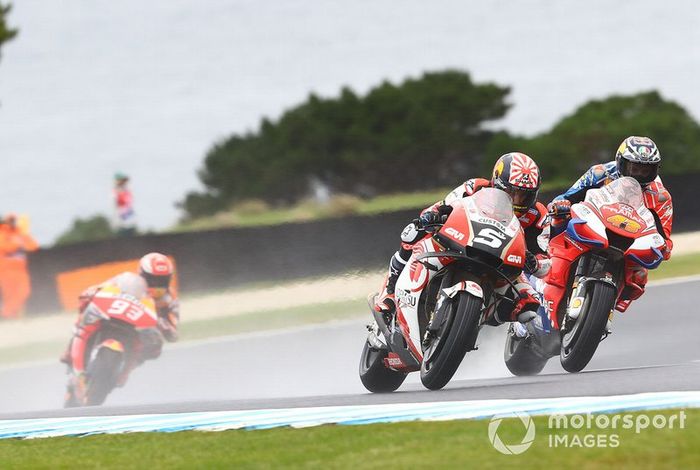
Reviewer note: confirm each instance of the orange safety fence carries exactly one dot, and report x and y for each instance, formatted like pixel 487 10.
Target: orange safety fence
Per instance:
pixel 71 284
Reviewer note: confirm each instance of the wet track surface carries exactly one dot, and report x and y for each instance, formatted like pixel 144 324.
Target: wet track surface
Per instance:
pixel 654 347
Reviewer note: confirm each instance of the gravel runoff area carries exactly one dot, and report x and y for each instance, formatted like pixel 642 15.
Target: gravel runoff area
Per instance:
pixel 237 302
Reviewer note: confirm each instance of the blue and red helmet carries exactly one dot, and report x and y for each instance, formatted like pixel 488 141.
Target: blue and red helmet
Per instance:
pixel 639 158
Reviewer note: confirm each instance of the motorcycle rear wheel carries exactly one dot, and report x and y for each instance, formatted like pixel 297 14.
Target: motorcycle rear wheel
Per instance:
pixel 581 341
pixel 458 336
pixel 519 357
pixel 103 373
pixel 374 375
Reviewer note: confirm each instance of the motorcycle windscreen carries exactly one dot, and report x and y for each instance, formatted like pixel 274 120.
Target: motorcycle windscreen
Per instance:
pixel 626 190
pixel 495 204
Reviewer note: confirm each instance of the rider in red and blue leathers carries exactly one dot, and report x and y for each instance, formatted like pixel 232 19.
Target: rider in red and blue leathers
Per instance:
pixel 639 158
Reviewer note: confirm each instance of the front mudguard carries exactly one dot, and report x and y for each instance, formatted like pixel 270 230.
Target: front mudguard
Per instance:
pixel 446 296
pixel 113 344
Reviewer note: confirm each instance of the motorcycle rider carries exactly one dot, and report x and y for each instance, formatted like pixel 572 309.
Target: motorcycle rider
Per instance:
pixel 518 175
pixel 639 158
pixel 152 281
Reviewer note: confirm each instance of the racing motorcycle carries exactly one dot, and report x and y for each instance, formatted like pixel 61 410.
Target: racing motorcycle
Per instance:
pixel 457 279
pixel 608 234
pixel 128 333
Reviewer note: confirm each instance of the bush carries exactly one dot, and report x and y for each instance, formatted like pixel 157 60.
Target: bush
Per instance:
pixel 92 228
pixel 594 131
pixel 418 134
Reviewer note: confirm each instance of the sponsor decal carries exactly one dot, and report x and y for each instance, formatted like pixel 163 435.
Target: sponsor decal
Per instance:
pixel 405 298
pixel 624 223
pixel 514 259
pixel 454 233
pixel 495 223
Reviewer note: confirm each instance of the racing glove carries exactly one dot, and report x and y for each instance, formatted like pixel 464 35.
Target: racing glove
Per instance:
pixel 428 220
pixel 531 263
pixel 559 209
pixel 536 265
pixel 666 249
pixel 433 217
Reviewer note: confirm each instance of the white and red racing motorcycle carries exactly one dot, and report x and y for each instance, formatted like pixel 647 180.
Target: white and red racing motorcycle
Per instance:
pixel 456 280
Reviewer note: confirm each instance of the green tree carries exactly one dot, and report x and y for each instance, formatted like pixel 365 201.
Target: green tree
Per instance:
pixel 96 227
pixel 421 133
pixel 594 131
pixel 6 33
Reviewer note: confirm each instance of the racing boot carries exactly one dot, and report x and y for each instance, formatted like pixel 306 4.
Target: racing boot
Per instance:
pixel 76 390
pixel 385 301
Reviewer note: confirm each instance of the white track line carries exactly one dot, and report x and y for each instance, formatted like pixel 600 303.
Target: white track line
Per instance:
pixel 357 414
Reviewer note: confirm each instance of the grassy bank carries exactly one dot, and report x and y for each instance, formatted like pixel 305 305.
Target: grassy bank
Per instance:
pixel 256 212
pixel 451 444
pixel 677 266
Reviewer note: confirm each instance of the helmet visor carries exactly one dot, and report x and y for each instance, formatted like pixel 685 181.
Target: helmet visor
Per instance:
pixel 161 282
pixel 645 173
pixel 523 199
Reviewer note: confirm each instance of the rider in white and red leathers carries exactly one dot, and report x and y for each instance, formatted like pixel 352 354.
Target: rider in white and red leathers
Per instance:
pixel 519 176
pixel 639 158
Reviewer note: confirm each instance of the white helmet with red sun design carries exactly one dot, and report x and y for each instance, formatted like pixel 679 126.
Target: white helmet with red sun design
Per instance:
pixel 519 176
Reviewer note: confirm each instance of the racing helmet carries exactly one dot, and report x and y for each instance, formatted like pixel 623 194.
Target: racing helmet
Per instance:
pixel 157 270
pixel 519 176
pixel 639 158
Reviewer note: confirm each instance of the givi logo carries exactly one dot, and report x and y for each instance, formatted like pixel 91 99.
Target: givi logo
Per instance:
pixel 456 234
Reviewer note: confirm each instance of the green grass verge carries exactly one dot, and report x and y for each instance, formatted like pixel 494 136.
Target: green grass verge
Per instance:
pixel 452 444
pixel 684 265
pixel 258 213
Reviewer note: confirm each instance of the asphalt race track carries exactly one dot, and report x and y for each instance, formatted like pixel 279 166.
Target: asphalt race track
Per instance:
pixel 654 347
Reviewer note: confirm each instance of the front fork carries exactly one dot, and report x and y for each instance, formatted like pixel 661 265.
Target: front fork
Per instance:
pixel 591 269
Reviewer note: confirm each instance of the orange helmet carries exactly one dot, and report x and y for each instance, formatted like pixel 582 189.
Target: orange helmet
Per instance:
pixel 157 270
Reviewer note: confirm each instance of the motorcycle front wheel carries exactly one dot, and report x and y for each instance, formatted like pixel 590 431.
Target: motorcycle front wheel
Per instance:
pixel 102 375
pixel 579 343
pixel 456 336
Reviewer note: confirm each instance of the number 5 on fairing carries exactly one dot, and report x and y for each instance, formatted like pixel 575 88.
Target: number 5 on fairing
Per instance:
pixel 490 237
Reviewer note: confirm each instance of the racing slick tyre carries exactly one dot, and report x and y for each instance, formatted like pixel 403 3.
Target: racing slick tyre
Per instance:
pixel 103 373
pixel 520 358
pixel 374 376
pixel 580 341
pixel 456 336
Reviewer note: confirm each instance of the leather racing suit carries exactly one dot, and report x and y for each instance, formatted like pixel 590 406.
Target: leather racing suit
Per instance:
pixel 656 198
